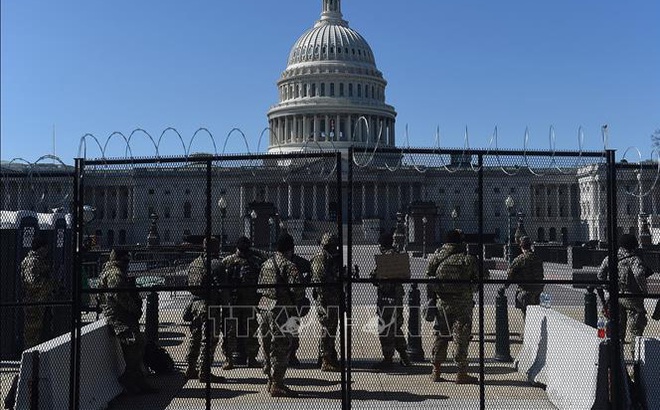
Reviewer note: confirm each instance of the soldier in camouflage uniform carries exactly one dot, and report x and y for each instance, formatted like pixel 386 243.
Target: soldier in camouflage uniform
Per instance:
pixel 305 270
pixel 38 287
pixel 455 304
pixel 278 304
pixel 242 267
pixel 526 266
pixel 632 279
pixel 123 310
pixel 206 315
pixel 389 305
pixel 326 266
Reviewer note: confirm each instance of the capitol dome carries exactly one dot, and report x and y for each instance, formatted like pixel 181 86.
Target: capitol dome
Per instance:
pixel 335 41
pixel 331 94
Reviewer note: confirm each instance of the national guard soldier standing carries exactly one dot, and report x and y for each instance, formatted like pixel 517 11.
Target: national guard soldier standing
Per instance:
pixel 38 287
pixel 305 271
pixel 526 266
pixel 454 304
pixel 632 279
pixel 278 304
pixel 205 314
pixel 326 266
pixel 242 268
pixel 122 310
pixel 389 304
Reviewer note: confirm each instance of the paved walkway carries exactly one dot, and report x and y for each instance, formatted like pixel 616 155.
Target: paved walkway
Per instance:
pixel 400 387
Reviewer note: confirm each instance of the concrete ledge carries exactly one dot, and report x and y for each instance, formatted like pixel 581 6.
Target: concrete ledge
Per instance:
pixel 564 355
pixel 647 352
pixel 101 364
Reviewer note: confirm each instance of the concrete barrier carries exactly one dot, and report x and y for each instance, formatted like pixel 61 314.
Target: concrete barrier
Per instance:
pixel 101 364
pixel 647 352
pixel 564 355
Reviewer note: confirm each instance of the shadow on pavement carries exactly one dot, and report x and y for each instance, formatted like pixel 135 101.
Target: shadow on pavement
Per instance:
pixel 217 392
pixel 394 396
pixel 169 387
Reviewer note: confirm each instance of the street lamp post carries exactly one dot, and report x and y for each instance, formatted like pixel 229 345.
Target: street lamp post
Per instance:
pixel 424 222
pixel 642 218
pixel 153 238
pixel 509 203
pixel 454 215
pixel 222 204
pixel 502 341
pixel 271 226
pixel 253 217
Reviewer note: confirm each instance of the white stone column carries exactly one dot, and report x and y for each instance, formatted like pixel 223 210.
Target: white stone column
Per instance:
pixel 327 201
pixel 387 201
pixel 545 201
pixel 304 126
pixel 279 198
pixel 349 128
pixel 569 206
pixel 315 214
pixel 326 129
pixel 558 200
pixel 241 201
pixel 376 207
pixel 302 201
pixel 289 205
pixel 118 205
pixel 364 201
pixel 337 127
pixel 316 127
pixel 131 201
pixel 106 213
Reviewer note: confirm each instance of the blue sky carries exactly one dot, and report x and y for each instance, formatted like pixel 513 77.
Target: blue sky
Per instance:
pixel 93 66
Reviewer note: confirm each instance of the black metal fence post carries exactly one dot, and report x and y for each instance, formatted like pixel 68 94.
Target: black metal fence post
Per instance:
pixel 616 387
pixel 502 342
pixel 590 308
pixel 415 350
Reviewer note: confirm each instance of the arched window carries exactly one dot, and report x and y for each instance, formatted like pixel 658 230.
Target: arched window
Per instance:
pixel 350 90
pixel 341 89
pixel 187 210
pixel 322 89
pixel 564 235
pixel 122 237
pixel 313 90
pixel 111 237
pixel 553 234
pixel 359 91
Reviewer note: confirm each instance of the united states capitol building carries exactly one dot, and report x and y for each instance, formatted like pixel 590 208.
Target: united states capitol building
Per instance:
pixel 332 97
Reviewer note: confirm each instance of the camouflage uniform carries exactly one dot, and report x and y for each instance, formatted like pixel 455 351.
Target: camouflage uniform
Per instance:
pixel 206 313
pixel 526 266
pixel 276 338
pixel 454 302
pixel 304 269
pixel 632 279
pixel 123 310
pixel 389 305
pixel 238 305
pixel 38 286
pixel 325 269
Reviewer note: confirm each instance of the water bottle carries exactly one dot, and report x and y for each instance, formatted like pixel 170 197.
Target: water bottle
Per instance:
pixel 601 328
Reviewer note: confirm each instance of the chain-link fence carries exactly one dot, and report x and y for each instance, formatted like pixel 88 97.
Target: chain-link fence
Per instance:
pixel 425 290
